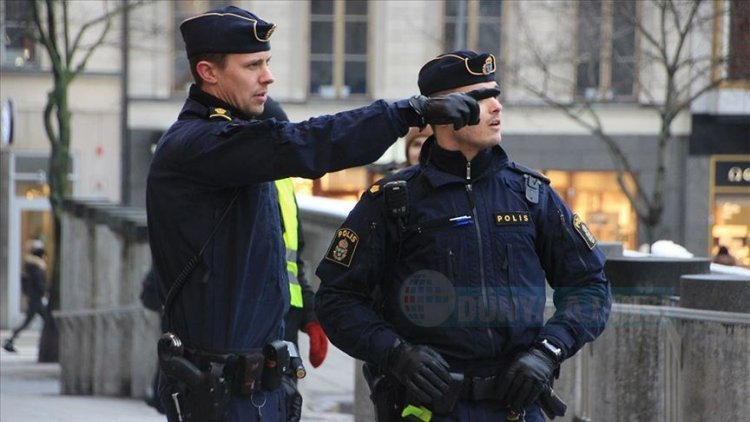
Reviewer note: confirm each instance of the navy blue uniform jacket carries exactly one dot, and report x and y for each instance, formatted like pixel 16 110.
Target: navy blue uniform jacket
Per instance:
pixel 236 298
pixel 465 272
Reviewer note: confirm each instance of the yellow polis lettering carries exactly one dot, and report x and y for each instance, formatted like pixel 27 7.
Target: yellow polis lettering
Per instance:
pixel 348 234
pixel 512 218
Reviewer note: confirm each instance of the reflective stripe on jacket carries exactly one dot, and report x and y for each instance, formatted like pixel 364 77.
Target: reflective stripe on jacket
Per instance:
pixel 288 207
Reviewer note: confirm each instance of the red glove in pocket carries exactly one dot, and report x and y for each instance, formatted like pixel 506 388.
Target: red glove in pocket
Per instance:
pixel 318 343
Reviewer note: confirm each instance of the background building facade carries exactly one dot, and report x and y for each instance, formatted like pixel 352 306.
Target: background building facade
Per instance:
pixel 330 55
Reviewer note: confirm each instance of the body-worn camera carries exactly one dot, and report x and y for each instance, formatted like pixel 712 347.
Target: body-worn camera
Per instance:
pixel 276 356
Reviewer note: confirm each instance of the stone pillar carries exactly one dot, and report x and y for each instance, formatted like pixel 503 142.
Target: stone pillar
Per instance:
pixel 75 295
pixel 611 249
pixel 718 292
pixel 715 376
pixel 716 355
pixel 650 280
pixel 107 257
pixel 145 324
pixel 627 363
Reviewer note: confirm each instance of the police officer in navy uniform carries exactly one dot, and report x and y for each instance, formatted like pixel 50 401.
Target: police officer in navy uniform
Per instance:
pixel 436 280
pixel 214 224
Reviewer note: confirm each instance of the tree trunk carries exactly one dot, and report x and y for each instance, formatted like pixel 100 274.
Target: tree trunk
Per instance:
pixel 58 180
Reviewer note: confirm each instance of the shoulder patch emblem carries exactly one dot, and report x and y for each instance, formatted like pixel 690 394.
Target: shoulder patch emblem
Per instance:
pixel 342 247
pixel 584 232
pixel 374 189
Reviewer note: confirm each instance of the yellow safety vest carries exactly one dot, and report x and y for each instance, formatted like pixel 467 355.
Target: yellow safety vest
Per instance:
pixel 288 205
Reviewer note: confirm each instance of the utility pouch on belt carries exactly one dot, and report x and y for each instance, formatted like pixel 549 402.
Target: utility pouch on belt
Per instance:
pixel 249 374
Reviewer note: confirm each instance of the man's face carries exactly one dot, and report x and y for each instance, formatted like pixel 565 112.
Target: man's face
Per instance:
pixel 486 134
pixel 243 81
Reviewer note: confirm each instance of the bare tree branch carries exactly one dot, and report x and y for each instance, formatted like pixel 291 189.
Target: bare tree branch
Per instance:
pixel 48 127
pixel 46 33
pixel 66 34
pixel 90 51
pixel 684 32
pixel 664 52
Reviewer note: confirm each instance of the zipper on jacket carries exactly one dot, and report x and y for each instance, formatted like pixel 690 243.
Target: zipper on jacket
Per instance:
pixel 485 299
pixel 506 269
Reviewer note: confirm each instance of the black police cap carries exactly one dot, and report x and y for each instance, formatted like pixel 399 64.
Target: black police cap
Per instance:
pixel 455 69
pixel 226 30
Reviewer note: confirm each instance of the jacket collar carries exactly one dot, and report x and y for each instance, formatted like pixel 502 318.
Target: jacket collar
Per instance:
pixel 200 105
pixel 442 167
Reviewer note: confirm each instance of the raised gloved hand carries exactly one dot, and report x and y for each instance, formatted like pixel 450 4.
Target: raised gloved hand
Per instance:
pixel 421 370
pixel 456 108
pixel 318 343
pixel 526 378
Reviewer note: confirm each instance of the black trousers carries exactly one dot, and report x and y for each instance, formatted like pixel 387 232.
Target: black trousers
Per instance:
pixel 35 307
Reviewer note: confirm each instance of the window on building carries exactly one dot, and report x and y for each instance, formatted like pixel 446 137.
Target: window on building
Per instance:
pixel 183 9
pixel 338 48
pixel 739 40
pixel 473 25
pixel 18 48
pixel 606 40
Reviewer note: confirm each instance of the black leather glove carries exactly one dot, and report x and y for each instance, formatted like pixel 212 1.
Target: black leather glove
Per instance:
pixel 456 108
pixel 527 377
pixel 421 370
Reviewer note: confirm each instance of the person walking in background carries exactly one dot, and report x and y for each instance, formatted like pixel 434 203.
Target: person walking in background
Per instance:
pixel 214 223
pixel 436 279
pixel 34 287
pixel 723 257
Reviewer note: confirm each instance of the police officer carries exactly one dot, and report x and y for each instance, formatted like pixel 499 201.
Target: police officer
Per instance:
pixel 214 224
pixel 437 277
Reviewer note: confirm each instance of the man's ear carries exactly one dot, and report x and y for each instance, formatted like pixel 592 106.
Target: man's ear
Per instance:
pixel 207 71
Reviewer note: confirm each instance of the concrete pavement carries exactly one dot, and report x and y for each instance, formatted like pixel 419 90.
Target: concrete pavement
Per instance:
pixel 30 391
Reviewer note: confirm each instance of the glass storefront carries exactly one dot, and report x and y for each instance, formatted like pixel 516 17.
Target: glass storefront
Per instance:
pixel 597 198
pixel 731 206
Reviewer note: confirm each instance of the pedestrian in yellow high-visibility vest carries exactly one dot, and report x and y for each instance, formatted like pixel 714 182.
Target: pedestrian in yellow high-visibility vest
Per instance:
pixel 301 315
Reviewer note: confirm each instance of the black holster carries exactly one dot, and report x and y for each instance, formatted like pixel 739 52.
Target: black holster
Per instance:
pixel 551 404
pixel 200 396
pixel 384 394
